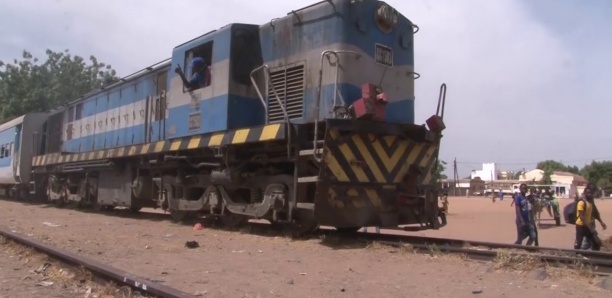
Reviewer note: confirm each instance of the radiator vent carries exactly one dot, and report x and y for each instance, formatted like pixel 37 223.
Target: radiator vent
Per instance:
pixel 288 82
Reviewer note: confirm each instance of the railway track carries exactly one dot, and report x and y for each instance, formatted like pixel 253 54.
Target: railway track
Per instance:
pixel 99 270
pixel 600 262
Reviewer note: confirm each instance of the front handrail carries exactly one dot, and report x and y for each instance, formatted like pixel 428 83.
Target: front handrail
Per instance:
pixel 264 102
pixel 441 101
pixel 261 97
pixel 337 94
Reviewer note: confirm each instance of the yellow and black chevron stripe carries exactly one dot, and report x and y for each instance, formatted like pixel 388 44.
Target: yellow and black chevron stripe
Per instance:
pixel 359 197
pixel 247 135
pixel 369 158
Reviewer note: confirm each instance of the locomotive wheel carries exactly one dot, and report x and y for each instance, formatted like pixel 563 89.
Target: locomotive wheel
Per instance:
pixel 348 230
pixel 181 216
pixel 21 193
pixel 60 203
pixel 97 206
pixel 303 227
pixel 233 220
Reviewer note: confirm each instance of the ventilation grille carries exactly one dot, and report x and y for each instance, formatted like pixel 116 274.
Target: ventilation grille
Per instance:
pixel 288 83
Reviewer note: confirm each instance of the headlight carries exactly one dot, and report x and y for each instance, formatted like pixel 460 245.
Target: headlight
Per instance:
pixel 387 17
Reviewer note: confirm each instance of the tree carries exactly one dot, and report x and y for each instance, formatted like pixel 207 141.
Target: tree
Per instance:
pixel 550 166
pixel 598 173
pixel 517 175
pixel 440 167
pixel 27 86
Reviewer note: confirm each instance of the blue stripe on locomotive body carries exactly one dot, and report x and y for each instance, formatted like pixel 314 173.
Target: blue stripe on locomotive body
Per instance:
pixel 303 36
pixel 115 116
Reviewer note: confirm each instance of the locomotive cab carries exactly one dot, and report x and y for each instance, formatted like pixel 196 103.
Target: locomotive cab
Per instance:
pixel 226 100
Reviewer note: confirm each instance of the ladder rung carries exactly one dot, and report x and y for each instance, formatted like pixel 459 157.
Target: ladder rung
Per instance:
pixel 310 179
pixel 309 206
pixel 311 151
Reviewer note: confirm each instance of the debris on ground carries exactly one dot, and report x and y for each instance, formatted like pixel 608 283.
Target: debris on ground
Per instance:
pixel 42 268
pixel 192 244
pixel 48 224
pixel 197 227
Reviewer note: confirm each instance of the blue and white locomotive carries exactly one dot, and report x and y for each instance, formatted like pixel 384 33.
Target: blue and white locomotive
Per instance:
pixel 307 120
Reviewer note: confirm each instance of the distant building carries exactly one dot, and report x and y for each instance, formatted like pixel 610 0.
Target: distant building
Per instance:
pixel 575 182
pixel 488 172
pixel 496 186
pixel 533 175
pixel 463 187
pixel 564 184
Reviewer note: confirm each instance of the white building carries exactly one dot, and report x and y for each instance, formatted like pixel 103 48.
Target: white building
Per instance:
pixel 488 172
pixel 533 175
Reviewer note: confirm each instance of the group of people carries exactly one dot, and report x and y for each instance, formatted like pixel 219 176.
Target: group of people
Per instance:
pixel 586 214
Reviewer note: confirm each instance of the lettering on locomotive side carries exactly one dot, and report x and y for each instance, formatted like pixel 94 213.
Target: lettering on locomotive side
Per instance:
pixel 384 55
pixel 195 120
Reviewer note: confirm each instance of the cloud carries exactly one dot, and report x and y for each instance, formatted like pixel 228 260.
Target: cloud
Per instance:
pixel 516 88
pixel 520 88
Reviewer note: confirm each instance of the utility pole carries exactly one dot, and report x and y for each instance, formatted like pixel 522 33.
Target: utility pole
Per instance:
pixel 455 177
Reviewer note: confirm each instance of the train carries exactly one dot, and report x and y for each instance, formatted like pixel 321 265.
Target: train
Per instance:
pixel 307 120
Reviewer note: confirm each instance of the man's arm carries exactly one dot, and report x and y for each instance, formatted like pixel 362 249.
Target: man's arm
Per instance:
pixel 597 216
pixel 186 83
pixel 517 208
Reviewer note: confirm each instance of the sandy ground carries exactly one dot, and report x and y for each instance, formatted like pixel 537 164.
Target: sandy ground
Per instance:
pixel 18 280
pixel 234 264
pixel 478 218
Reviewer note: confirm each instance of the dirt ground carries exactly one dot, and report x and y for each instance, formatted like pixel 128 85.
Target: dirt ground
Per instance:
pixel 478 218
pixel 235 264
pixel 25 272
pixel 18 280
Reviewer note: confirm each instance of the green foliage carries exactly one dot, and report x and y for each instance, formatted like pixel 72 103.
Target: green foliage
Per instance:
pixel 517 175
pixel 550 166
pixel 29 86
pixel 440 167
pixel 598 173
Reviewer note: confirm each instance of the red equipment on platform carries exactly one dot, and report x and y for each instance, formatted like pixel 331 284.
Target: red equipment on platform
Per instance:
pixel 372 103
pixel 435 123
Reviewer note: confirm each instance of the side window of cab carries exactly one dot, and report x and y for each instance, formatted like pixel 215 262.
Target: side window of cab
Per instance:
pixel 197 66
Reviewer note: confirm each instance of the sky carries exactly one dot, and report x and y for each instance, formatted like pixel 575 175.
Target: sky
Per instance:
pixel 527 80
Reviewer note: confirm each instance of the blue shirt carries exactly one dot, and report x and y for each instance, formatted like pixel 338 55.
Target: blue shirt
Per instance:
pixel 521 202
pixel 197 80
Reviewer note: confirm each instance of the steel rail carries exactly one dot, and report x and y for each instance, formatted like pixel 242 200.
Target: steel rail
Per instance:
pixel 601 261
pixel 454 243
pixel 99 269
pixel 450 242
pixel 601 267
